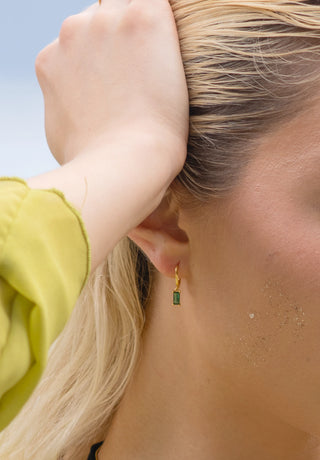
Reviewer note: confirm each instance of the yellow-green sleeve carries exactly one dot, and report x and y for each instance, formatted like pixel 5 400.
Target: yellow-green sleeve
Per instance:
pixel 45 262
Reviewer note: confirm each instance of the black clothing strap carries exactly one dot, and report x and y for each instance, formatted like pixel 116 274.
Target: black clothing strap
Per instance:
pixel 93 450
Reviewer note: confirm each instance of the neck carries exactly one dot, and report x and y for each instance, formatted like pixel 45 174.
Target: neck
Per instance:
pixel 179 405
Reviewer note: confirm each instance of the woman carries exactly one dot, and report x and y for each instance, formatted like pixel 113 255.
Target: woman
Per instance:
pixel 234 371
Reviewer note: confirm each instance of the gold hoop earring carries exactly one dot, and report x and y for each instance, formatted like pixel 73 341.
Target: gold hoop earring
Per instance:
pixel 99 2
pixel 177 293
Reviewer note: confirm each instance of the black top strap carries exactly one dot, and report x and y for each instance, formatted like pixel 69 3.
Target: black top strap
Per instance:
pixel 93 450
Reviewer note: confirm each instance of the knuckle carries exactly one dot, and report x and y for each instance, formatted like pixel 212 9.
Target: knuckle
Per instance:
pixel 101 22
pixel 139 17
pixel 41 63
pixel 69 28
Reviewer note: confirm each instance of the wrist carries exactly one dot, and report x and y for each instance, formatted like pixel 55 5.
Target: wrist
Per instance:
pixel 152 143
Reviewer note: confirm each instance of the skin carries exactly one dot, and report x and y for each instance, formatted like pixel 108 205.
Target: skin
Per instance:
pixel 234 373
pixel 103 118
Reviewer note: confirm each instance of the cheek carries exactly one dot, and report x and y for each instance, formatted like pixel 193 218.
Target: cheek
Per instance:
pixel 277 247
pixel 276 262
pixel 269 291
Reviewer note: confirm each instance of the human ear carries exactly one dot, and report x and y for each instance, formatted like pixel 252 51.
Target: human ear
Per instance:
pixel 162 240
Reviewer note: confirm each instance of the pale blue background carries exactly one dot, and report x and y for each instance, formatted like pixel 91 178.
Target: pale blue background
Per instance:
pixel 26 27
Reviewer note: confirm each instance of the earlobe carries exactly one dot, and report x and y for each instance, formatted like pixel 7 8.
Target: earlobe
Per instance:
pixel 162 240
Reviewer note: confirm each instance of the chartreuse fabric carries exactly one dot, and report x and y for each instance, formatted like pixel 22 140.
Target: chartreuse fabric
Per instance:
pixel 45 261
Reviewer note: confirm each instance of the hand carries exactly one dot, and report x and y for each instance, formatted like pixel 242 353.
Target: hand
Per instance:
pixel 115 69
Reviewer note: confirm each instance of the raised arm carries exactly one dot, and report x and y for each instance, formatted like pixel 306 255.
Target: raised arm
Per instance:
pixel 116 114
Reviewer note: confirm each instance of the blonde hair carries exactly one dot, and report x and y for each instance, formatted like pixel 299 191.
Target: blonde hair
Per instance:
pixel 249 65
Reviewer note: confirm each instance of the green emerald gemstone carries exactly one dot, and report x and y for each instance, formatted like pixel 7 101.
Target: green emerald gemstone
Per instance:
pixel 176 298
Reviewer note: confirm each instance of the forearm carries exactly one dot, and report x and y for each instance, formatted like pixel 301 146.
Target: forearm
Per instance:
pixel 110 186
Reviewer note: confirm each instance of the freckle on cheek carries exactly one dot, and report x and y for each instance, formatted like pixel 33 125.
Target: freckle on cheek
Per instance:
pixel 291 316
pixel 282 316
